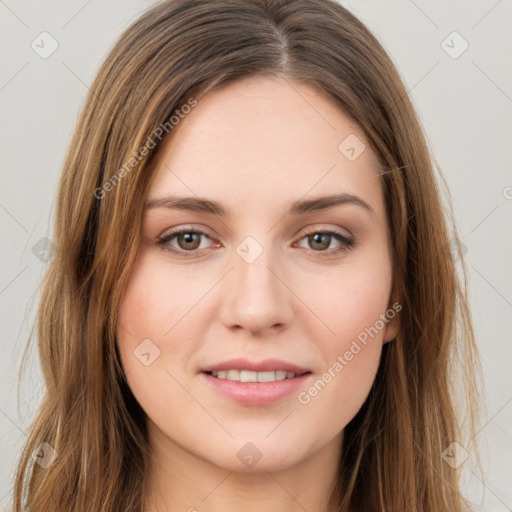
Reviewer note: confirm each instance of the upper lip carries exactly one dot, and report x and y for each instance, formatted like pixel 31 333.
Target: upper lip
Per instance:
pixel 266 365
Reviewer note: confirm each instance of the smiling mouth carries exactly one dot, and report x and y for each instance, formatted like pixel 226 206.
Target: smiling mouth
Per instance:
pixel 252 376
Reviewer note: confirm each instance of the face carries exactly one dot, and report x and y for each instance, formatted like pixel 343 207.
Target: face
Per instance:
pixel 261 277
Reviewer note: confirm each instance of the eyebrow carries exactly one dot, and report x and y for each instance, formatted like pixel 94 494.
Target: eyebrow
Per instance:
pixel 301 207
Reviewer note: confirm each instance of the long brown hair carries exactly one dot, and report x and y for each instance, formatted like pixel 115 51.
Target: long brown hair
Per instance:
pixel 175 52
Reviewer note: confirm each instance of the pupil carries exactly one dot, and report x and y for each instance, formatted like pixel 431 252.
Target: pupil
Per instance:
pixel 316 236
pixel 189 239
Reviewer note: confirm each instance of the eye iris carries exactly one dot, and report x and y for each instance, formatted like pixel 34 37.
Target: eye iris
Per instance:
pixel 189 238
pixel 313 240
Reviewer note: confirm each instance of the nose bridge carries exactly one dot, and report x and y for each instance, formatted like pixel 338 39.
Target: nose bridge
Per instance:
pixel 258 297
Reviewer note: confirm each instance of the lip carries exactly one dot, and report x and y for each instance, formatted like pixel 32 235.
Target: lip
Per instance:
pixel 256 393
pixel 266 365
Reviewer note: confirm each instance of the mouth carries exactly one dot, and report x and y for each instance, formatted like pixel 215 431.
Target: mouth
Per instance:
pixel 253 376
pixel 248 382
pixel 255 384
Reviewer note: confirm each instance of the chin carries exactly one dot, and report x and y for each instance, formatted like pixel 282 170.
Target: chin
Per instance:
pixel 259 455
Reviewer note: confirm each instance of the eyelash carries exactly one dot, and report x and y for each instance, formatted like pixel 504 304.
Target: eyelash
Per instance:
pixel 347 243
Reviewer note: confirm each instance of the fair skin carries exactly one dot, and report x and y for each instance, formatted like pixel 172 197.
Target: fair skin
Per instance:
pixel 255 146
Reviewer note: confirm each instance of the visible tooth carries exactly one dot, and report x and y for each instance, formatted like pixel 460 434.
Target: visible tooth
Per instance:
pixel 248 376
pixel 233 374
pixel 266 376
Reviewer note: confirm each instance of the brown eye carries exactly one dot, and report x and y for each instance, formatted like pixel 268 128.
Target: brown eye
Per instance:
pixel 320 241
pixel 188 240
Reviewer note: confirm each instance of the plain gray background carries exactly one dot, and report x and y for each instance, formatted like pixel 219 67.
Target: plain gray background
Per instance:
pixel 464 100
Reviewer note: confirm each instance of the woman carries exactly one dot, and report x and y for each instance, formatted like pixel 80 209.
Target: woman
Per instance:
pixel 254 301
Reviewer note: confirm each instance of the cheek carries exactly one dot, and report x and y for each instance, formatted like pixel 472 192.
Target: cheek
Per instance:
pixel 142 324
pixel 155 317
pixel 350 362
pixel 153 305
pixel 350 302
pixel 352 305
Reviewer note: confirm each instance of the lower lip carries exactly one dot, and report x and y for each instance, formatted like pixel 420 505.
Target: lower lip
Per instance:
pixel 256 393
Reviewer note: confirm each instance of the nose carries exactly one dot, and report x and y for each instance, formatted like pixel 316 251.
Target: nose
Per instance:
pixel 256 296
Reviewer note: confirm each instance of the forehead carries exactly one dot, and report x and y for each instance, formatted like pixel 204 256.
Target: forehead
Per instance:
pixel 266 141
